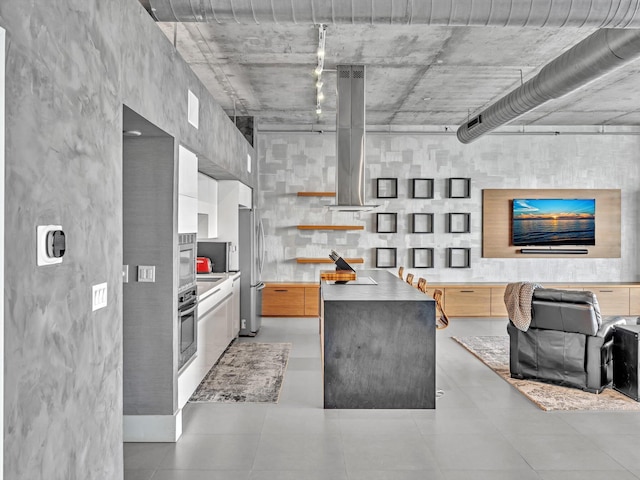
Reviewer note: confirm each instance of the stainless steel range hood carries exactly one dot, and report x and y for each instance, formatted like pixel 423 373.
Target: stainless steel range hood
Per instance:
pixel 350 140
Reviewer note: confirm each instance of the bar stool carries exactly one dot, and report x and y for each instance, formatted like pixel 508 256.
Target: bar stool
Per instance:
pixel 422 284
pixel 442 321
pixel 410 279
pixel 401 273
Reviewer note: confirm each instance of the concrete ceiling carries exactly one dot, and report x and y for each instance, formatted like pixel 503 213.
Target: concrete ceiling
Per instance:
pixel 416 74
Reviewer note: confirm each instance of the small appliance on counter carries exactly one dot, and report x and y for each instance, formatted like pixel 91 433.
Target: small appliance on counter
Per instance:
pixel 204 265
pixel 219 253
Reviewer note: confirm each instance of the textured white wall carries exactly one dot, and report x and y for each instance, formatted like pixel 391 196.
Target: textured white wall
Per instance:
pixel 291 162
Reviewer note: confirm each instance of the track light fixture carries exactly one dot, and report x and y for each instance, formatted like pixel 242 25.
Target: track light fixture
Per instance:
pixel 322 35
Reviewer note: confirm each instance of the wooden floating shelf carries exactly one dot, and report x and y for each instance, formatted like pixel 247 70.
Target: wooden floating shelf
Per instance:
pixel 330 227
pixel 316 194
pixel 327 260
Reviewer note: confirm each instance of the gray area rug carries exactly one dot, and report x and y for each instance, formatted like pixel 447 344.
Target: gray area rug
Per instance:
pixel 493 351
pixel 246 372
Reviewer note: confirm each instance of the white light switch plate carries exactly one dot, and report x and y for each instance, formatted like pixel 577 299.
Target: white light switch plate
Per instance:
pixel 98 296
pixel 146 273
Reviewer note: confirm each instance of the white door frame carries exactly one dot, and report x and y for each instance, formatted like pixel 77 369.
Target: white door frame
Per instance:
pixel 2 192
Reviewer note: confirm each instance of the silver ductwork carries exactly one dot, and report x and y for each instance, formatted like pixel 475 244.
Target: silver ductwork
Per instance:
pixel 350 138
pixel 597 55
pixel 499 13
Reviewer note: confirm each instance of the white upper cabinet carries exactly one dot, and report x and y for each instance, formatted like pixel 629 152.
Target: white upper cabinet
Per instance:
pixel 244 196
pixel 207 206
pixel 187 191
pixel 232 195
pixel 187 172
pixel 187 214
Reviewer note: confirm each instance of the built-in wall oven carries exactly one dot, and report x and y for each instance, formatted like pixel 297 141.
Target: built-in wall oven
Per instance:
pixel 188 247
pixel 187 298
pixel 188 318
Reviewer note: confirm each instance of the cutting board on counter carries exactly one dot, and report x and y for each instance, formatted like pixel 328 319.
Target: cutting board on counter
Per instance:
pixel 337 275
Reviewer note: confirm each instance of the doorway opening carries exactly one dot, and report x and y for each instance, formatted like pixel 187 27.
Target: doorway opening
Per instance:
pixel 149 306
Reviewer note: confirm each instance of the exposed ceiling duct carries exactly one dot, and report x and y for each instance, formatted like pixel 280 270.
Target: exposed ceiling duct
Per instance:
pixel 503 13
pixel 350 139
pixel 595 56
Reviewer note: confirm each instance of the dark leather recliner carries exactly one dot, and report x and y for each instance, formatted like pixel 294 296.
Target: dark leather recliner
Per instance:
pixel 568 342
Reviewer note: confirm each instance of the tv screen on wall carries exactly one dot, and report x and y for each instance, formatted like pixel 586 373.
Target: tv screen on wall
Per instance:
pixel 553 222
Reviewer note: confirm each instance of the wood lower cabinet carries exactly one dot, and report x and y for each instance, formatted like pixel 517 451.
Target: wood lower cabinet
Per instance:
pixel 282 300
pixel 487 300
pixel 634 301
pixel 290 300
pixel 498 308
pixel 311 301
pixel 612 300
pixel 460 300
pixel 468 302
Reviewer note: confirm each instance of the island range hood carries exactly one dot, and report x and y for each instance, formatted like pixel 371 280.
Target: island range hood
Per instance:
pixel 350 140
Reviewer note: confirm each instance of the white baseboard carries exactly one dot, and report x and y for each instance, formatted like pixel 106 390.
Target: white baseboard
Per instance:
pixel 152 428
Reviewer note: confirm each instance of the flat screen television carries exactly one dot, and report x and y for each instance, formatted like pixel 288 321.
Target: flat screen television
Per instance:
pixel 553 222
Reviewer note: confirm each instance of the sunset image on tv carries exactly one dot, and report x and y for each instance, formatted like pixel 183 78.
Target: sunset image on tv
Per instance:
pixel 541 222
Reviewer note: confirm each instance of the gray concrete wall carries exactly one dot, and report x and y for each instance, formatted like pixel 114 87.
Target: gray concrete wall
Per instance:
pixel 70 66
pixel 290 162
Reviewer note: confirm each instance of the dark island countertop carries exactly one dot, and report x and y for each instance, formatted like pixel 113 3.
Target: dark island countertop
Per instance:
pixel 378 344
pixel 389 288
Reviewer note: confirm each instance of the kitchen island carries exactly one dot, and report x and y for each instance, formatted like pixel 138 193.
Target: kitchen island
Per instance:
pixel 378 343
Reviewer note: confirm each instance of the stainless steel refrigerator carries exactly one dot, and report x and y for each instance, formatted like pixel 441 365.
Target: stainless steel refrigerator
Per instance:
pixel 251 261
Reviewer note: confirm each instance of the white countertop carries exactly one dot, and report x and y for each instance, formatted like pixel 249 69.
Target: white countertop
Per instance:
pixel 207 282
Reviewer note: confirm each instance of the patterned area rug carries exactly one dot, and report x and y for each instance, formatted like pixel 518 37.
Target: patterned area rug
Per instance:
pixel 246 372
pixel 493 351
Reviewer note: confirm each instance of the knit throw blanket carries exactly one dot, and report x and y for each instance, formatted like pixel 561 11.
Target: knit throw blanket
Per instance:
pixel 517 298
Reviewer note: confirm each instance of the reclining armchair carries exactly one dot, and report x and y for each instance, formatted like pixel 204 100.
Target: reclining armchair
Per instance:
pixel 568 342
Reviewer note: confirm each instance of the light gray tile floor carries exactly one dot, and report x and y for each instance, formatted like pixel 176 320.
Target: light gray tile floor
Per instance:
pixel 481 429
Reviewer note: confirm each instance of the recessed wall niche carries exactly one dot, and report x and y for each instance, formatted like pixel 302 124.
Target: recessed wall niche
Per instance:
pixel 422 188
pixel 422 257
pixel 497 207
pixel 459 188
pixel 422 223
pixel 458 257
pixel 387 188
pixel 458 222
pixel 386 222
pixel 386 257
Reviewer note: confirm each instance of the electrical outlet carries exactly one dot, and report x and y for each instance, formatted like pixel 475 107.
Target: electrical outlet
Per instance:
pixel 98 296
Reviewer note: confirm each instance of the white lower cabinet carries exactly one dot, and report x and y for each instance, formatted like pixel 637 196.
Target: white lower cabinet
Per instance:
pixel 213 338
pixel 234 313
pixel 215 330
pixel 218 325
